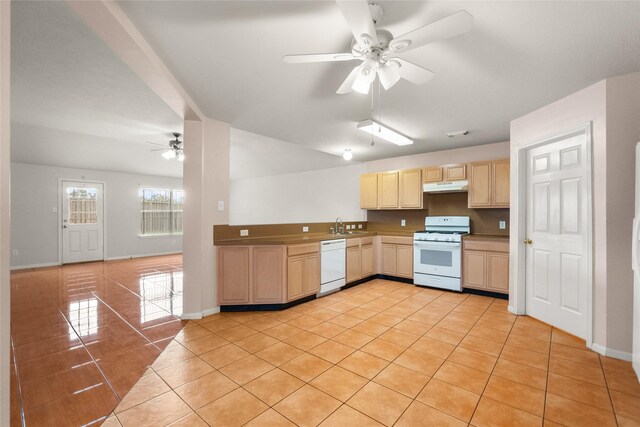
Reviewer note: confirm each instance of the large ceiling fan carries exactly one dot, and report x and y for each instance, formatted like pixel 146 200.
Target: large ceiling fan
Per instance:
pixel 175 150
pixel 378 49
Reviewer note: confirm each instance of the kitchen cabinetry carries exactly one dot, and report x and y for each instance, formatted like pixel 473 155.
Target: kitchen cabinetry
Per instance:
pixel 455 172
pixel 397 256
pixel 432 174
pixel 267 278
pixel 360 259
pixel 233 275
pixel 485 265
pixel 303 270
pixel 411 189
pixel 489 184
pixel 388 190
pixel 391 190
pixel 367 257
pixel 369 191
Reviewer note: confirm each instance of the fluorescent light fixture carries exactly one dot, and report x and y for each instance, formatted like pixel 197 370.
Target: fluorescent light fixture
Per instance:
pixel 376 129
pixel 347 155
pixel 169 154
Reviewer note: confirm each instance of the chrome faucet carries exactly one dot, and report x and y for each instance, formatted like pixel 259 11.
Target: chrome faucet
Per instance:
pixel 339 228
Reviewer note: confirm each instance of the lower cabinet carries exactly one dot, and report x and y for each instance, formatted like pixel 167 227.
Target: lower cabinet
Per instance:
pixel 486 265
pixel 367 255
pixel 360 259
pixel 397 256
pixel 233 274
pixel 303 270
pixel 267 278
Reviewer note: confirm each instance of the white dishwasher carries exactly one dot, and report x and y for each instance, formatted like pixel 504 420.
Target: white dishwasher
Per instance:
pixel 332 265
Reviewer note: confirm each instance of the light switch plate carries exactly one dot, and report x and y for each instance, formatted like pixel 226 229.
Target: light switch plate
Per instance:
pixel 403 222
pixel 503 225
pixel 305 229
pixel 15 252
pixel 220 205
pixel 244 233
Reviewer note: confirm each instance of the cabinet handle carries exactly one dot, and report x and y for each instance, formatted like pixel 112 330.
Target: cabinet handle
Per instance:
pixel 527 241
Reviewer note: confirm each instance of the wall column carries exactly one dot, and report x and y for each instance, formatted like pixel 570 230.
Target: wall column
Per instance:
pixel 206 182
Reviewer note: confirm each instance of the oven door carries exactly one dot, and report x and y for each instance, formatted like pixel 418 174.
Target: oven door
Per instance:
pixel 437 258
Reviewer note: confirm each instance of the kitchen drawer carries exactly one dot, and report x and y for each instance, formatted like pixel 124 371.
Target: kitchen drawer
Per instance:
pixel 488 245
pixel 307 248
pixel 397 240
pixel 353 242
pixel 366 241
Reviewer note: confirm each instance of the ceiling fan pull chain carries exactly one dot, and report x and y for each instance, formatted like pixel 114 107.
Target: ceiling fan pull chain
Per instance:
pixel 372 114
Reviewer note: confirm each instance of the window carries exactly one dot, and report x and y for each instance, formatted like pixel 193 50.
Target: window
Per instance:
pixel 161 212
pixel 82 206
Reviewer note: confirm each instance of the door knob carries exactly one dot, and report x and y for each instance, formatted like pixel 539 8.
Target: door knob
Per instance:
pixel 527 241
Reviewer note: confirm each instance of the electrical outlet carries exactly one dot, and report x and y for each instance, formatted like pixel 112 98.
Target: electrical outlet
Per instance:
pixel 244 233
pixel 403 222
pixel 305 229
pixel 359 226
pixel 220 205
pixel 503 225
pixel 15 252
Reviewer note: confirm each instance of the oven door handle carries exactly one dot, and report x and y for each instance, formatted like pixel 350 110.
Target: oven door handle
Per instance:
pixel 436 245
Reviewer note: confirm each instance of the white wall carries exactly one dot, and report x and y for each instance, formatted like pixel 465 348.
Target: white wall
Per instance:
pixel 34 225
pixel 312 196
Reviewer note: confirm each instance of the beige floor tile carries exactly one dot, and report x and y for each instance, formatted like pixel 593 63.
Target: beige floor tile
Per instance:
pixel 525 357
pixel 173 354
pixel 237 333
pixel 610 364
pixel 445 335
pixel 473 359
pixel 148 387
pixel 626 422
pixel 352 338
pixel 270 418
pixel 362 313
pixel 399 337
pixel 306 366
pixel 489 333
pixel 577 371
pixel 364 364
pixel 450 399
pixel 572 413
pixel 223 356
pixel 332 351
pixel 190 332
pixel 327 330
pixel 481 345
pixel 234 409
pixel 185 371
pixel 421 415
pixel 540 333
pixel 573 354
pixel 339 383
pixel 412 326
pixel 580 391
pixel 522 374
pixel 531 344
pixel 111 421
pixel 305 322
pixel 282 331
pixel 279 353
pixel 386 319
pixel 205 344
pixel 469 379
pixel 307 407
pixel 626 405
pixel 191 420
pixel 490 413
pixel 347 416
pixel 626 383
pixel 345 321
pixel 514 394
pixel 384 349
pixel 305 340
pixel 273 386
pixel 434 347
pixel 368 401
pixel 247 369
pixel 371 328
pixel 160 410
pixel 256 342
pixel 424 363
pixel 402 380
pixel 205 389
pixel 560 337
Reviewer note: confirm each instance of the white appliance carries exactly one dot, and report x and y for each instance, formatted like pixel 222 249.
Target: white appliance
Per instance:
pixel 437 252
pixel 446 187
pixel 332 265
pixel 635 264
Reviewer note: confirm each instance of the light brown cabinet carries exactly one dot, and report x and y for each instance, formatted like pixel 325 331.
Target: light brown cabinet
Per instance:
pixel 388 190
pixel 432 174
pixel 397 256
pixel 489 184
pixel 485 265
pixel 267 284
pixel 369 191
pixel 303 270
pixel 354 263
pixel 455 172
pixel 367 258
pixel 411 189
pixel 233 275
pixel 360 259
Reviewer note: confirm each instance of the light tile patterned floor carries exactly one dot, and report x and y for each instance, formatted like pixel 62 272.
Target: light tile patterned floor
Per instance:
pixel 382 353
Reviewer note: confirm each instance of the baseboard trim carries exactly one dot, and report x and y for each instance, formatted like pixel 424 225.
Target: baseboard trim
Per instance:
pixel 210 311
pixel 609 352
pixel 29 266
pixel 191 316
pixel 117 258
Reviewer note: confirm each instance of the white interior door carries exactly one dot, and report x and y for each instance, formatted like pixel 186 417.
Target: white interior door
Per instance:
pixel 82 221
pixel 636 270
pixel 557 239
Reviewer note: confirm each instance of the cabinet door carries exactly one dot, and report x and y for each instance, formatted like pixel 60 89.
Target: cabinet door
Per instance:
pixel 498 272
pixel 411 188
pixel 267 284
pixel 388 190
pixel 389 259
pixel 233 275
pixel 311 274
pixel 500 183
pixel 432 174
pixel 474 269
pixel 480 185
pixel 455 172
pixel 354 263
pixel 404 261
pixel 369 191
pixel 366 255
pixel 295 266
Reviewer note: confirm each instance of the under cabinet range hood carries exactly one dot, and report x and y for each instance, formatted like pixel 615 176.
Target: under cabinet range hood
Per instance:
pixel 446 187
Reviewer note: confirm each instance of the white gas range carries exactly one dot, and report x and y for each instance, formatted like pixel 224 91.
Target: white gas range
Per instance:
pixel 437 252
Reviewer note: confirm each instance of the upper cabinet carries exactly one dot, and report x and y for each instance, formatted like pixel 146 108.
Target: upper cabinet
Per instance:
pixel 445 173
pixel 489 184
pixel 432 174
pixel 391 190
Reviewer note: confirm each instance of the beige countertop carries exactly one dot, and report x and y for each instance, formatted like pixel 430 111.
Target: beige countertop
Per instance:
pixel 294 239
pixel 486 237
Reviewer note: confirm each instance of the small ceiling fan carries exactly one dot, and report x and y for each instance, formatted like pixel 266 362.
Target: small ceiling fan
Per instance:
pixel 378 49
pixel 175 148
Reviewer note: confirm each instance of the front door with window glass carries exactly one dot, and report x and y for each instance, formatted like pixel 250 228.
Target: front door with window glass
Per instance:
pixel 82 222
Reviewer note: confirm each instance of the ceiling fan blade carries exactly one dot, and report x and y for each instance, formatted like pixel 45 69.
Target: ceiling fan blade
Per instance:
pixel 155 143
pixel 318 57
pixel 412 72
pixel 388 74
pixel 450 26
pixel 358 17
pixel 345 87
pixel 161 149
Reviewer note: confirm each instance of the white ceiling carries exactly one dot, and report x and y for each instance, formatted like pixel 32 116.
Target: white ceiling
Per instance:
pixel 518 57
pixel 71 93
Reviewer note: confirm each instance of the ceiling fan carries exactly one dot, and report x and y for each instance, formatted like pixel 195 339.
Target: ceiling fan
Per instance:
pixel 175 150
pixel 378 49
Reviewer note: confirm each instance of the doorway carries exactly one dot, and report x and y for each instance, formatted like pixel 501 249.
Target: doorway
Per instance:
pixel 557 231
pixel 82 221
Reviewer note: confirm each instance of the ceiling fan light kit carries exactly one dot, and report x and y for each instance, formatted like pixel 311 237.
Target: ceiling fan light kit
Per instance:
pixel 347 155
pixel 376 129
pixel 175 150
